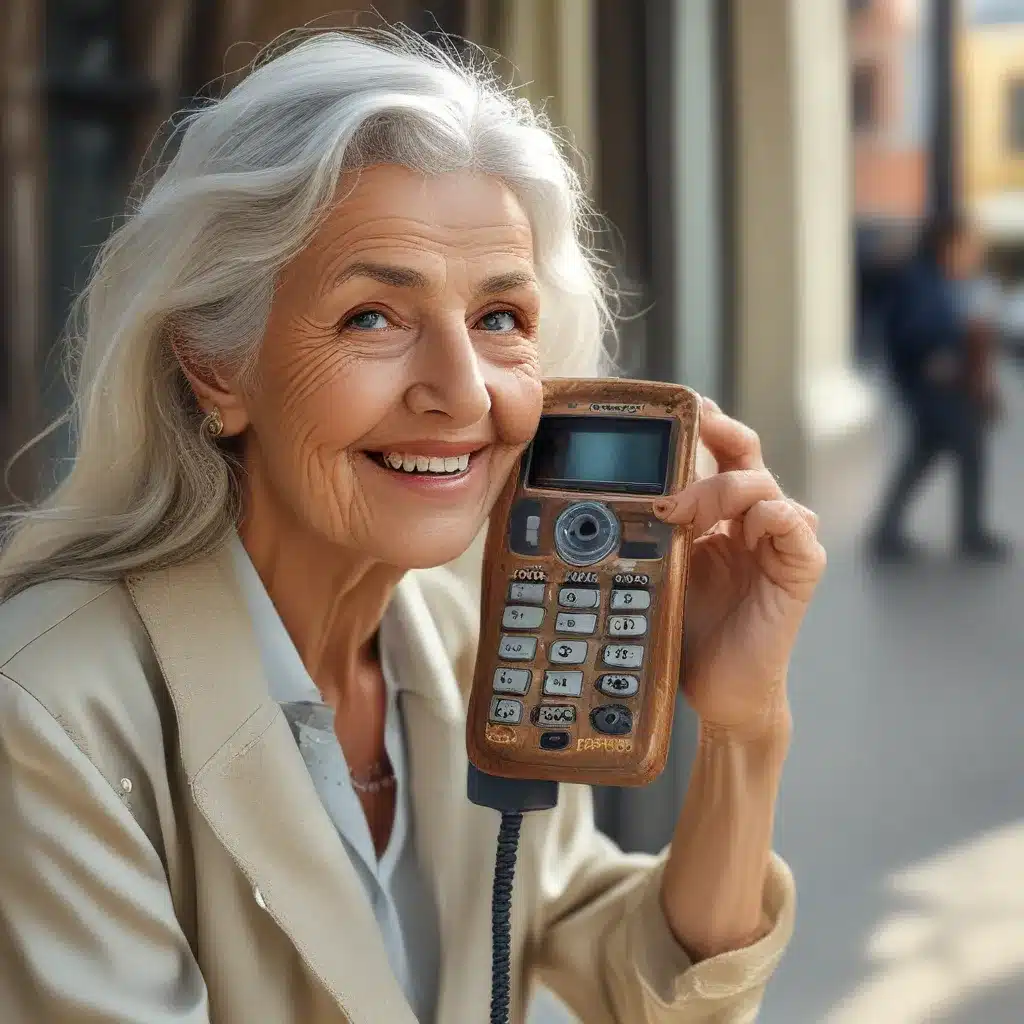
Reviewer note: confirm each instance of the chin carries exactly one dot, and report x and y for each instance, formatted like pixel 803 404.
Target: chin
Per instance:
pixel 424 547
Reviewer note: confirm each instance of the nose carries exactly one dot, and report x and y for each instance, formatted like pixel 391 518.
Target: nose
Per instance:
pixel 449 377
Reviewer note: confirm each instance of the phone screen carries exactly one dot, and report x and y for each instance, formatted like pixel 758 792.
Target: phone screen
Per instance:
pixel 601 453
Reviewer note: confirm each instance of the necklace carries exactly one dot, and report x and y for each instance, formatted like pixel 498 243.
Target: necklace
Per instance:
pixel 380 776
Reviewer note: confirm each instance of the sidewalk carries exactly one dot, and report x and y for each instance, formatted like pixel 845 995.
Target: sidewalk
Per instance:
pixel 902 811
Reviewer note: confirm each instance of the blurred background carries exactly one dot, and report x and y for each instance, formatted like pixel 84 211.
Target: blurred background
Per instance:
pixel 767 166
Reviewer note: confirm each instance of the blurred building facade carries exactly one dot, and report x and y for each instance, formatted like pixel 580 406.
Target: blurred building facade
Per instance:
pixel 992 76
pixel 715 135
pixel 888 87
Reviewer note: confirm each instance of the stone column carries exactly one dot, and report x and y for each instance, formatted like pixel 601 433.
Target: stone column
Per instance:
pixel 794 381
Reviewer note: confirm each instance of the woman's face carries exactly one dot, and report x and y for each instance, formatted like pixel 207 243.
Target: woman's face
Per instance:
pixel 398 380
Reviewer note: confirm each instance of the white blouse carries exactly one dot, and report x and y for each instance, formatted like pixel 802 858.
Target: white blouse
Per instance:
pixel 395 886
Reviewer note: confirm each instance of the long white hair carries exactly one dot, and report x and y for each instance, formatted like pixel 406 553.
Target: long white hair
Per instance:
pixel 198 256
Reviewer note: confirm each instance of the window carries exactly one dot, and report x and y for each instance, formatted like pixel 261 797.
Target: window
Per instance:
pixel 865 87
pixel 1015 116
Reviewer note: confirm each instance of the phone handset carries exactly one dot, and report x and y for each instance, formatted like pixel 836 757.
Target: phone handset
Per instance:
pixel 582 602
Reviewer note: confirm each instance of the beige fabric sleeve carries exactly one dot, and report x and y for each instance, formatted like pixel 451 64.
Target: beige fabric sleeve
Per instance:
pixel 88 933
pixel 602 942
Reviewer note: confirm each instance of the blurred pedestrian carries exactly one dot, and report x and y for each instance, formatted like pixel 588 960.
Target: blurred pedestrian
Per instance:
pixel 940 355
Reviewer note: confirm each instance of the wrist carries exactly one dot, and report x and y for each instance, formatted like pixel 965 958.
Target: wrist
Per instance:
pixel 770 731
pixel 713 886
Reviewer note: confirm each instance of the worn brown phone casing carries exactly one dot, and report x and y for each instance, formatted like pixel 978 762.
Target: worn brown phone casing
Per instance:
pixel 591 756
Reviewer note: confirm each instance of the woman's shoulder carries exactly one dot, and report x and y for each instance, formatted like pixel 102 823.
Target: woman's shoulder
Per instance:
pixel 80 652
pixel 61 627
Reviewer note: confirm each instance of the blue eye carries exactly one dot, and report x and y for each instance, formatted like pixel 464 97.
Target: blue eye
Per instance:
pixel 368 320
pixel 500 321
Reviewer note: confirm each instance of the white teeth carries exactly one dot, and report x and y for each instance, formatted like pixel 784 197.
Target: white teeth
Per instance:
pixel 427 464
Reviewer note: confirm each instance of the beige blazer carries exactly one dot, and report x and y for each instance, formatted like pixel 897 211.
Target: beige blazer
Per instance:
pixel 164 856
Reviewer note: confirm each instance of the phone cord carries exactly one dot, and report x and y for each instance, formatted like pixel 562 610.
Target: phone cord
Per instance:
pixel 501 914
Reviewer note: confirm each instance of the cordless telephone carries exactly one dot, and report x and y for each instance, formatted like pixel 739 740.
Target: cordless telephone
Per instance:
pixel 582 602
pixel 581 619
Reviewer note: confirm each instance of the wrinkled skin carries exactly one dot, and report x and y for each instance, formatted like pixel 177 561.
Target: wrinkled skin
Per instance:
pixel 352 362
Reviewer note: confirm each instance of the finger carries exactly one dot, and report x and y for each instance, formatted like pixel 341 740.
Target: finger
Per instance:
pixel 790 534
pixel 809 517
pixel 723 496
pixel 733 444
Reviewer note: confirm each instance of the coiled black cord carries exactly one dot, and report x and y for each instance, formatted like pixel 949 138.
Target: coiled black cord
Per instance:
pixel 501 914
pixel 511 798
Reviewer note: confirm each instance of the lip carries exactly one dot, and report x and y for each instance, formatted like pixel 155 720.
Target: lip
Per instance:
pixel 436 485
pixel 440 449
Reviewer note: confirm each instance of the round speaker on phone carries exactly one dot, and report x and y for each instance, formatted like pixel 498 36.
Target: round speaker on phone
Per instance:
pixel 586 532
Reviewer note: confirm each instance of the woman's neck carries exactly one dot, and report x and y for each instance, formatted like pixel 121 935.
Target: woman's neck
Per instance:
pixel 330 599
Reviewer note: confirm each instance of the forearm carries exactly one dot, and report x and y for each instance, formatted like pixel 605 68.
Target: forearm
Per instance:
pixel 714 879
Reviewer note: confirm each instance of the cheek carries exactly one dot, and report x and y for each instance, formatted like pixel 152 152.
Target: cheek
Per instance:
pixel 518 397
pixel 326 397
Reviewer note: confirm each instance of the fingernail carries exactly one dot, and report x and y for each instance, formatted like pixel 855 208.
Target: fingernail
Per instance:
pixel 710 403
pixel 664 506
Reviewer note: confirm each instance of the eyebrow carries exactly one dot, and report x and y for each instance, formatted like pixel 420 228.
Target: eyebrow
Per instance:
pixel 406 277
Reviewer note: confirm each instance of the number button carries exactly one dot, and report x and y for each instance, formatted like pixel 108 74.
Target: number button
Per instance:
pixel 512 680
pixel 630 600
pixel 504 709
pixel 518 616
pixel 624 655
pixel 555 714
pixel 531 593
pixel 618 686
pixel 571 622
pixel 567 652
pixel 627 625
pixel 579 597
pixel 563 684
pixel 517 648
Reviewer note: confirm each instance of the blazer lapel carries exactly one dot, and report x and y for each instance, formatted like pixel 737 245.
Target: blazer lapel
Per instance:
pixel 445 823
pixel 250 784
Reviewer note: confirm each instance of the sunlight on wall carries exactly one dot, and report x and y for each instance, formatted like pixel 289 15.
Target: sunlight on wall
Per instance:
pixel 961 930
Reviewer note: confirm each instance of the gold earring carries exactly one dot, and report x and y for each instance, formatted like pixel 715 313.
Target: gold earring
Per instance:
pixel 213 425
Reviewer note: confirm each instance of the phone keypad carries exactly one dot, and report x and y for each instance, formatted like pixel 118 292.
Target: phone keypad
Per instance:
pixel 567 652
pixel 506 710
pixel 517 648
pixel 575 622
pixel 517 616
pixel 623 655
pixel 512 680
pixel 627 625
pixel 563 684
pixel 530 593
pixel 555 715
pixel 618 685
pixel 630 600
pixel 571 659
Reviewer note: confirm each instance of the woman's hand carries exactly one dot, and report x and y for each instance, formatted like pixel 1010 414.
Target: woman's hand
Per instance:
pixel 754 566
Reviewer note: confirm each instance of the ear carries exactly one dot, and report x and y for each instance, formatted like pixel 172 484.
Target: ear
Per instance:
pixel 213 388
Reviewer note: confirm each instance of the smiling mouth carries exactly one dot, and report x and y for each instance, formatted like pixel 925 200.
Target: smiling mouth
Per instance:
pixel 425 465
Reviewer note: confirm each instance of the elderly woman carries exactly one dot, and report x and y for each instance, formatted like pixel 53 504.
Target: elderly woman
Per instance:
pixel 233 664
